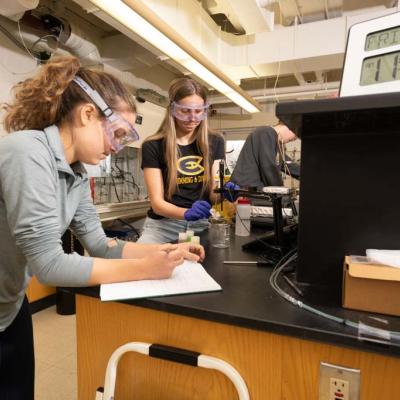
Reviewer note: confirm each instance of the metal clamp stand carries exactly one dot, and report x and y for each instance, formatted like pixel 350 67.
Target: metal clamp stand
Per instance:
pixel 275 195
pixel 278 219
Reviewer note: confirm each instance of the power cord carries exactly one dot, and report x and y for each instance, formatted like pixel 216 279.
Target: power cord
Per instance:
pixel 273 281
pixel 123 222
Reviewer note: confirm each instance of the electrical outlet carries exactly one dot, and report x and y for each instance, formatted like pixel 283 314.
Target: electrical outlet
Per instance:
pixel 338 383
pixel 338 389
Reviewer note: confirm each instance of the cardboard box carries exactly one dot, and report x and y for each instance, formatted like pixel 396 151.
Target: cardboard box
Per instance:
pixel 371 287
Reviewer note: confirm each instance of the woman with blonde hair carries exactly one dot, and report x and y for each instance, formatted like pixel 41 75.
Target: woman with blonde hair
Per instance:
pixel 64 116
pixel 179 164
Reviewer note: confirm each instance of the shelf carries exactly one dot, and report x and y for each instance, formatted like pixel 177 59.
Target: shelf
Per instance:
pixel 130 209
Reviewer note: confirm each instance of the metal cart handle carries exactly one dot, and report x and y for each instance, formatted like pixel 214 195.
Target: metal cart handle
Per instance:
pixel 174 354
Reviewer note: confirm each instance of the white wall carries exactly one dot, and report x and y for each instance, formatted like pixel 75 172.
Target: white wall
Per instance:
pixel 153 115
pixel 15 66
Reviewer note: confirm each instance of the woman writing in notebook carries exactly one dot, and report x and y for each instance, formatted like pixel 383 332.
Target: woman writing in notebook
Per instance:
pixel 65 116
pixel 179 163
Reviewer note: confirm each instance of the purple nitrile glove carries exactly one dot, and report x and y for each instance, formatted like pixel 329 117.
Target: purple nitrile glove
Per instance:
pixel 229 193
pixel 200 209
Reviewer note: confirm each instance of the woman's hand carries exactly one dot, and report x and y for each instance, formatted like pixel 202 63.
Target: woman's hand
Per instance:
pixel 229 193
pixel 200 209
pixel 191 251
pixel 160 264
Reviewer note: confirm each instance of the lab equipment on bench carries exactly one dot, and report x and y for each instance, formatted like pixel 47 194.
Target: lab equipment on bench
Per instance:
pixel 174 354
pixel 282 239
pixel 243 214
pixel 219 233
pixel 349 161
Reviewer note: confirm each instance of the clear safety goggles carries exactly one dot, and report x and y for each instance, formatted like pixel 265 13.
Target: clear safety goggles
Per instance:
pixel 117 129
pixel 192 112
pixel 119 132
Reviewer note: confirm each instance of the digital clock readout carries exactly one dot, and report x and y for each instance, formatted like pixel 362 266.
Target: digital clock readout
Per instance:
pixel 379 69
pixel 382 39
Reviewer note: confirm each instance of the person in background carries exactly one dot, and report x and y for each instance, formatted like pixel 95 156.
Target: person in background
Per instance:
pixel 257 163
pixel 179 164
pixel 64 116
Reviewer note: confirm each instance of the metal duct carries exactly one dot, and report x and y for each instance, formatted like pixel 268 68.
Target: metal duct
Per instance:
pixel 53 33
pixel 78 45
pixel 15 9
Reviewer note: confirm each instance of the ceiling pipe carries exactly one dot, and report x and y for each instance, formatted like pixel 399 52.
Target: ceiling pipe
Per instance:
pixel 287 92
pixel 51 33
pixel 84 49
pixel 15 9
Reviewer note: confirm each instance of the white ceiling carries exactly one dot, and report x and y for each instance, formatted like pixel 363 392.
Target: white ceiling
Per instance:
pixel 306 65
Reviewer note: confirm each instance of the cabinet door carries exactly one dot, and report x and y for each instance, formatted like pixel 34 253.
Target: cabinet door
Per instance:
pixel 37 291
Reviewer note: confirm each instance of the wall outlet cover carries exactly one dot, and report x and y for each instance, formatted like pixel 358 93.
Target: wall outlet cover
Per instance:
pixel 333 376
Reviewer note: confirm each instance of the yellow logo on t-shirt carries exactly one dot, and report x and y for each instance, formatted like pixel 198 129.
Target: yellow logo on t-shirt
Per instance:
pixel 190 165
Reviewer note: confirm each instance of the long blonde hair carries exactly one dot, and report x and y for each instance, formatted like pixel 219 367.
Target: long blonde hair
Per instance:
pixel 49 97
pixel 179 89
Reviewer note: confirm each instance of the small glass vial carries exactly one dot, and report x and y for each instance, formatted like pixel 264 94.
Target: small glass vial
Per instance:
pixel 195 239
pixel 182 237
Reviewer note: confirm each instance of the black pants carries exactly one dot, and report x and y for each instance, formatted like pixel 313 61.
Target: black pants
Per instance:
pixel 17 361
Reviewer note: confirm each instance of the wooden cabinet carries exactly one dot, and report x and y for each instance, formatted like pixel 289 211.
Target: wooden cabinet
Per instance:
pixel 274 366
pixel 37 291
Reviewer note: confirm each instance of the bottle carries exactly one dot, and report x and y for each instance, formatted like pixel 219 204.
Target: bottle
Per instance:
pixel 195 239
pixel 243 213
pixel 182 237
pixel 189 234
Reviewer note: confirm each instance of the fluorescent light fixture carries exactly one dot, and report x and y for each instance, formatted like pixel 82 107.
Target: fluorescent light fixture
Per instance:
pixel 141 20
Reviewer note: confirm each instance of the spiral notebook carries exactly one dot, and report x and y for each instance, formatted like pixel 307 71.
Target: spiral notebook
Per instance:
pixel 190 277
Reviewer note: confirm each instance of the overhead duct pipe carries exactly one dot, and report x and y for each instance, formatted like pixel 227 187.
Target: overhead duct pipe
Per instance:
pixel 15 9
pixel 291 92
pixel 59 33
pixel 82 48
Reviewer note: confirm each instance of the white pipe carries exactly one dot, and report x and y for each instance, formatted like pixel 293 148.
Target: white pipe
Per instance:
pixel 15 9
pixel 76 43
pixel 296 95
pixel 82 48
pixel 366 10
pixel 286 92
pixel 29 37
pixel 266 3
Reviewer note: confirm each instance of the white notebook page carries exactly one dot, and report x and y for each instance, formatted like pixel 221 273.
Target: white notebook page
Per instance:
pixel 190 277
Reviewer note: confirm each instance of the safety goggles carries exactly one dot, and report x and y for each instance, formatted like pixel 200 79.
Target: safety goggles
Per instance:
pixel 118 130
pixel 192 112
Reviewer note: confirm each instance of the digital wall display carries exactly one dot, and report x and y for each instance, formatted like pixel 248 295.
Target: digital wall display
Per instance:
pixel 372 62
pixel 382 39
pixel 379 69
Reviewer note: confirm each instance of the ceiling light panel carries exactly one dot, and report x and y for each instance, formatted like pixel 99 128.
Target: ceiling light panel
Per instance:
pixel 136 23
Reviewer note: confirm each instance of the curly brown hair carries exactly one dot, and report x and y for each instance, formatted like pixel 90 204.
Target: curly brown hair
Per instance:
pixel 49 97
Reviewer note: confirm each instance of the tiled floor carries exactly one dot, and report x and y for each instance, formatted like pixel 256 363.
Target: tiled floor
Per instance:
pixel 55 354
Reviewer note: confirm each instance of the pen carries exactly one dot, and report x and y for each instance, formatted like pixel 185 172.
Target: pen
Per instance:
pixel 247 262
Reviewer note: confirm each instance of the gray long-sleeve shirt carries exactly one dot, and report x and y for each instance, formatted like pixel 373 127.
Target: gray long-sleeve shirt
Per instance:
pixel 41 195
pixel 257 164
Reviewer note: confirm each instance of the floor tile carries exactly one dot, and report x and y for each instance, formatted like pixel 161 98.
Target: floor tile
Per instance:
pixel 55 355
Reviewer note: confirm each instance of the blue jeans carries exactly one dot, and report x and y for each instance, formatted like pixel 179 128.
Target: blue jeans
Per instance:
pixel 167 230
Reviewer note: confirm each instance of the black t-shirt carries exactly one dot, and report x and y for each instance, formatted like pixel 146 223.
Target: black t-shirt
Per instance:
pixel 189 169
